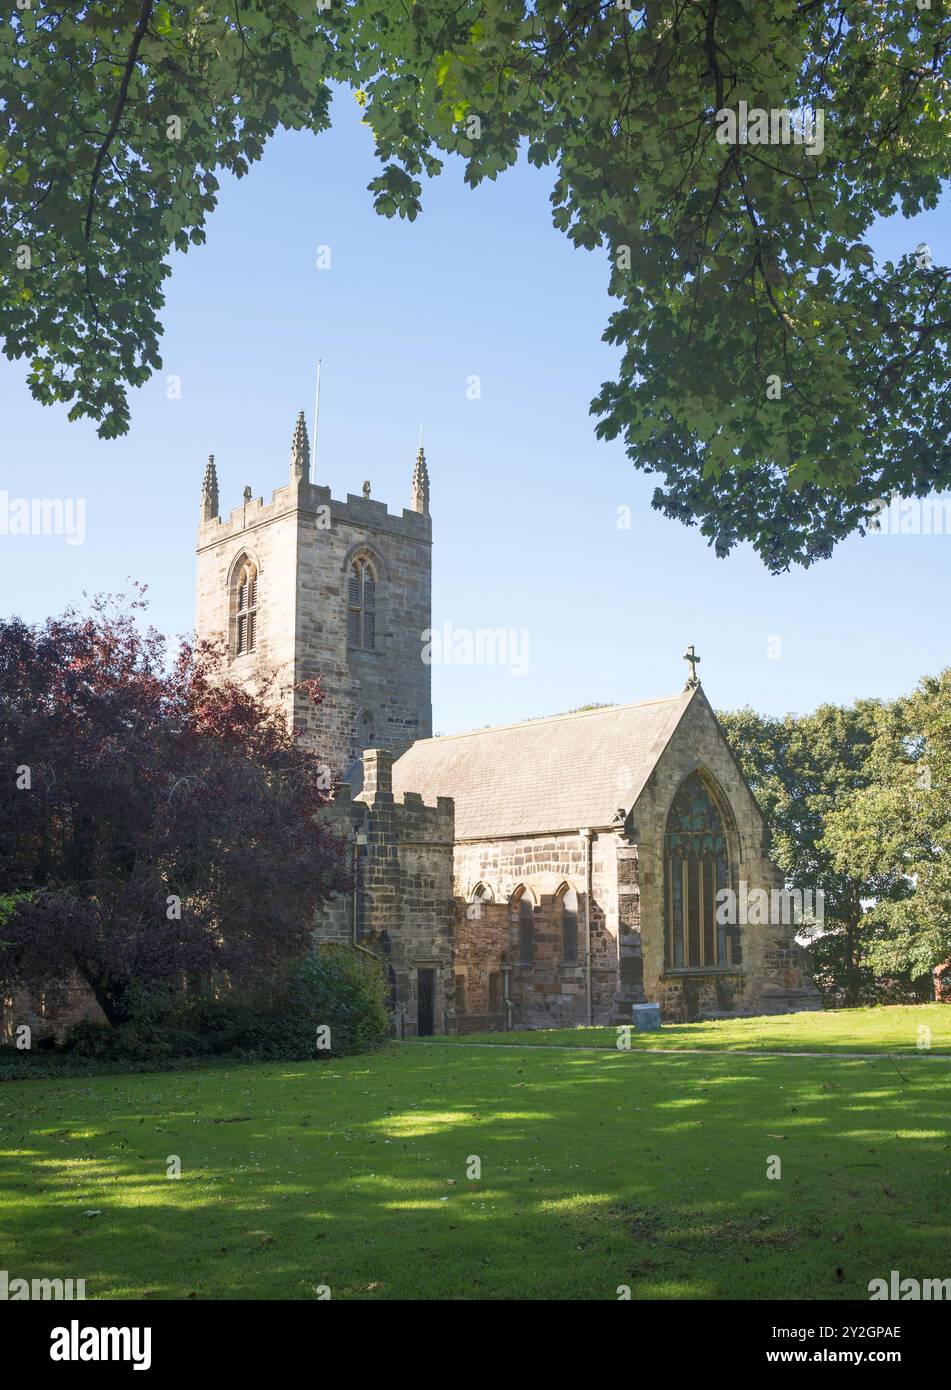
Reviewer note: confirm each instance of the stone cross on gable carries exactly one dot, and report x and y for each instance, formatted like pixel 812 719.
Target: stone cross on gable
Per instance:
pixel 691 656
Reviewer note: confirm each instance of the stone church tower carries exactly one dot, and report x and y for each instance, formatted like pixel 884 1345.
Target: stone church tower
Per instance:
pixel 305 585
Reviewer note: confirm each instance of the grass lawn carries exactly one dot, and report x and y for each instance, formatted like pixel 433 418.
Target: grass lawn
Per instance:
pixel 599 1168
pixel 894 1029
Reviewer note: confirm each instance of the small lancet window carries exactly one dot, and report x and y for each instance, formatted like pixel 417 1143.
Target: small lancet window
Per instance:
pixel 361 606
pixel 567 900
pixel 246 628
pixel 523 915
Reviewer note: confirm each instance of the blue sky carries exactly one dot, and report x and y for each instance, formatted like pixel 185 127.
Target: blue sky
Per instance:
pixel 524 498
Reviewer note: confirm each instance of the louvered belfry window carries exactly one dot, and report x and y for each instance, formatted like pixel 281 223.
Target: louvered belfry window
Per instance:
pixel 361 606
pixel 696 867
pixel 247 616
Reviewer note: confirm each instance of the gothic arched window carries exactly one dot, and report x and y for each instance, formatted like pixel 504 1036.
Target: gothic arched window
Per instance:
pixel 522 915
pixel 566 901
pixel 361 605
pixel 696 867
pixel 246 619
pixel 481 894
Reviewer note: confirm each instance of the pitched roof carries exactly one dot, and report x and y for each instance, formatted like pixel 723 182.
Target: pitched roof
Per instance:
pixel 545 775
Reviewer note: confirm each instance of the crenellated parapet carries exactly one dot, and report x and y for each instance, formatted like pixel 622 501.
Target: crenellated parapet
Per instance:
pixel 409 820
pixel 316 502
pixel 301 495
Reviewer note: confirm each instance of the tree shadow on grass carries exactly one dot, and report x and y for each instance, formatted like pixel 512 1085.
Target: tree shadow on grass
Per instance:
pixel 596 1172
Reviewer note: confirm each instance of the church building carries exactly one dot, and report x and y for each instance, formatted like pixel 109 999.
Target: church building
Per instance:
pixel 547 873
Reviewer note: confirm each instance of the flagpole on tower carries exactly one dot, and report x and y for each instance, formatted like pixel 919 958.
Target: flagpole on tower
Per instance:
pixel 313 449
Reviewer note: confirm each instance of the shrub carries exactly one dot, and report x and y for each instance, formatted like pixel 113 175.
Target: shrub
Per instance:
pixel 133 1041
pixel 335 987
pixel 340 988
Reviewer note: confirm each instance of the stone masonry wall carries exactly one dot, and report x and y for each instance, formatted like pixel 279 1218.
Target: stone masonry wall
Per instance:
pixel 266 534
pixel 404 903
pixel 391 684
pixel 481 952
pixel 50 1013
pixel 550 991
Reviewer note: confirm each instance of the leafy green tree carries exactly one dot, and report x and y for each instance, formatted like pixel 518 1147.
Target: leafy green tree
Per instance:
pixel 778 381
pixel 897 831
pixel 804 770
pixel 159 822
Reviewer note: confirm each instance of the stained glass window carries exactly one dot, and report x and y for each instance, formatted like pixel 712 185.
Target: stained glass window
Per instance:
pixel 696 868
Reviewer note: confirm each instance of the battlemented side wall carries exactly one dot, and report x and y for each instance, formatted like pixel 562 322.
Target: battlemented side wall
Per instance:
pixel 402 909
